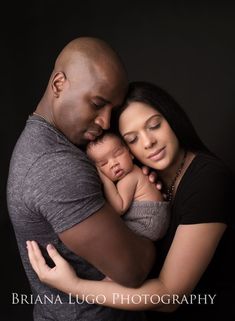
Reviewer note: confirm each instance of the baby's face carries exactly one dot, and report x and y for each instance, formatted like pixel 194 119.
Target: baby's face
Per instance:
pixel 112 158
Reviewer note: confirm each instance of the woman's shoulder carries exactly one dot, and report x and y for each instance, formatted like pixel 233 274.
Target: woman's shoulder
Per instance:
pixel 206 189
pixel 207 174
pixel 204 165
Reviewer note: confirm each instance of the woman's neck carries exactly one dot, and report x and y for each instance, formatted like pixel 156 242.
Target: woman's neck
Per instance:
pixel 168 174
pixel 173 175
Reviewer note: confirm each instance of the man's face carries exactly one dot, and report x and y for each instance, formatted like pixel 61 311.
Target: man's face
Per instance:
pixel 83 109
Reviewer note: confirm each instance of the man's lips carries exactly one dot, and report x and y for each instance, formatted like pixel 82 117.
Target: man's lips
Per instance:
pixel 93 134
pixel 158 154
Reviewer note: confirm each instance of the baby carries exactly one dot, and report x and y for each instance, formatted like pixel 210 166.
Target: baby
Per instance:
pixel 127 189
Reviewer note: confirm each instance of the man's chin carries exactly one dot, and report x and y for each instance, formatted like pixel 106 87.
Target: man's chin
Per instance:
pixel 82 143
pixel 86 139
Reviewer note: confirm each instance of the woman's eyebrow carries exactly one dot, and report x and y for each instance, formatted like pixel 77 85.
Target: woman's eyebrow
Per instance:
pixel 145 123
pixel 128 133
pixel 150 118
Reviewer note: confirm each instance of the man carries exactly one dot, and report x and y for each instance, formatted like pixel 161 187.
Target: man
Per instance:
pixel 54 192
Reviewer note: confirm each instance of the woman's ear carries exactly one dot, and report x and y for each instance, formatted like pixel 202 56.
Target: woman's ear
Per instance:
pixel 57 84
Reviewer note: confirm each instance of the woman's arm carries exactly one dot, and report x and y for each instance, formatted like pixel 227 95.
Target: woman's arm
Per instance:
pixel 188 257
pixel 120 196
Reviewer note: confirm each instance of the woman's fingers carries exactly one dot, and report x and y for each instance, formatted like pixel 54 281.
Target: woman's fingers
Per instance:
pixel 32 257
pixel 152 175
pixel 36 259
pixel 54 255
pixel 159 185
pixel 145 170
pixel 153 178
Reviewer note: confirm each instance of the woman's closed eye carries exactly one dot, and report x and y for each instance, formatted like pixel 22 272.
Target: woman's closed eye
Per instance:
pixel 131 140
pixel 154 126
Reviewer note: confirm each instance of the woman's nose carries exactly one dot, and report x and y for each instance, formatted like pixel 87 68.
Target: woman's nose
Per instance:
pixel 103 118
pixel 148 141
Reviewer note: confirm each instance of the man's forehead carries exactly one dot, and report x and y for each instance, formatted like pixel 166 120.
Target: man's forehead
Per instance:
pixel 109 93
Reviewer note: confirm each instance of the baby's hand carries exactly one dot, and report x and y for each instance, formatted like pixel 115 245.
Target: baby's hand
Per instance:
pixel 103 178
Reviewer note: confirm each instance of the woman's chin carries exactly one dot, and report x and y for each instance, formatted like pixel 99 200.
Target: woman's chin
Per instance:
pixel 158 165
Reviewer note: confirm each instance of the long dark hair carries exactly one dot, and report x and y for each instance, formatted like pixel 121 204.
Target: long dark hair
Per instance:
pixel 165 104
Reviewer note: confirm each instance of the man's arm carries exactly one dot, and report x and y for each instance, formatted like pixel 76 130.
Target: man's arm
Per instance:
pixel 106 242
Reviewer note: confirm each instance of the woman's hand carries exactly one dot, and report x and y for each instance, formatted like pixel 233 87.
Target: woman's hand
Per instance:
pixel 62 276
pixel 152 177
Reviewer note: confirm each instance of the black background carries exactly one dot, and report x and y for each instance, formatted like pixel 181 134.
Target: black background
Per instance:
pixel 186 47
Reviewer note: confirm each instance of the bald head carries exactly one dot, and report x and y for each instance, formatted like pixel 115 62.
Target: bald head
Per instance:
pixel 92 53
pixel 87 83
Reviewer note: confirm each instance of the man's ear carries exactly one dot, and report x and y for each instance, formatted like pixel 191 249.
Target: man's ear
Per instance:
pixel 57 83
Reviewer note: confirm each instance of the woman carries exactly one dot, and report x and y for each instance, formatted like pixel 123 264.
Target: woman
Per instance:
pixel 193 275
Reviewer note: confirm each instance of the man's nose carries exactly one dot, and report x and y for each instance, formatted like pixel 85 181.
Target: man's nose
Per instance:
pixel 103 119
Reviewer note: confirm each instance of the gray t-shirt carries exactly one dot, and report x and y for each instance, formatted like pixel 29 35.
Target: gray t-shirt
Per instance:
pixel 53 186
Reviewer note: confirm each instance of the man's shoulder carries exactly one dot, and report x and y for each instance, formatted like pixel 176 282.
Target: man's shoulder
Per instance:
pixel 41 147
pixel 63 164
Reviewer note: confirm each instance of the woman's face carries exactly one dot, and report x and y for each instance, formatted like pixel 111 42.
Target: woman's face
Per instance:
pixel 149 136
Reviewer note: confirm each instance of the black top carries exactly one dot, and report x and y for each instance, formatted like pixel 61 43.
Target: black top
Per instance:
pixel 205 195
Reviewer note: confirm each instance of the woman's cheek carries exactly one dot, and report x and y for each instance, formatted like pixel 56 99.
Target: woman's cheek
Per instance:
pixel 137 152
pixel 133 150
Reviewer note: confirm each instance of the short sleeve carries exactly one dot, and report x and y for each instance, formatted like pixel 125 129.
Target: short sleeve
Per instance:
pixel 207 196
pixel 64 188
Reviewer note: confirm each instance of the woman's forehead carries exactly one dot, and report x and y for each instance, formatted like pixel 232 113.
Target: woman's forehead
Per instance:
pixel 136 114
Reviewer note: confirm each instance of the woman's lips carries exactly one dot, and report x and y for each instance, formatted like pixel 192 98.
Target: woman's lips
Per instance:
pixel 158 154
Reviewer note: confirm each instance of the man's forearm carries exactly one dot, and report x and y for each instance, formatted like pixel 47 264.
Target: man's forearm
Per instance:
pixel 140 263
pixel 106 242
pixel 147 255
